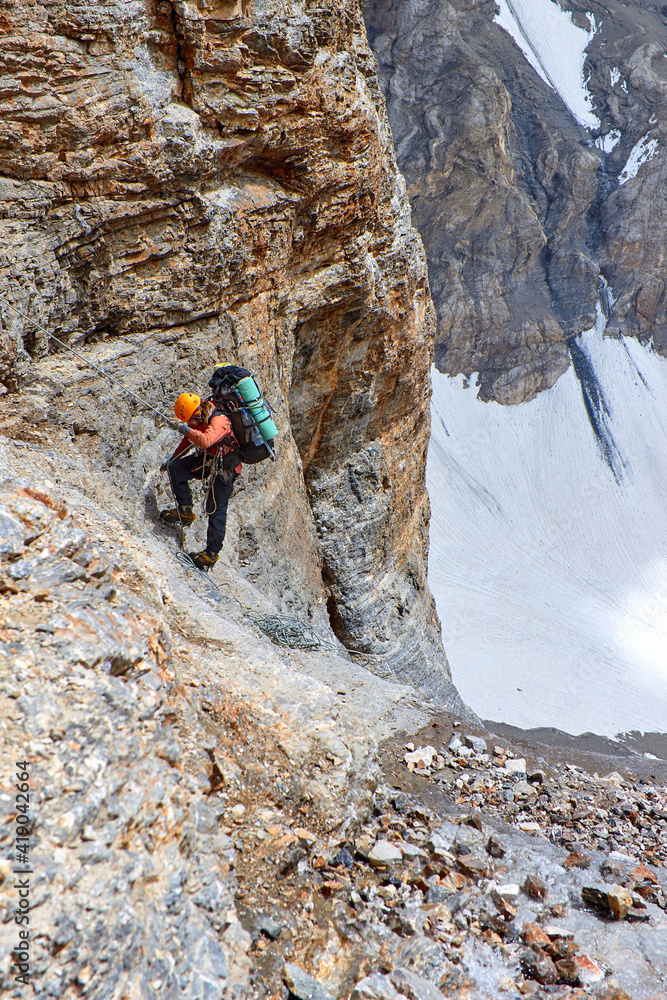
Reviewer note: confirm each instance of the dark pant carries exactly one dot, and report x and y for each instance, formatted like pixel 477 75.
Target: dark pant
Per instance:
pixel 181 470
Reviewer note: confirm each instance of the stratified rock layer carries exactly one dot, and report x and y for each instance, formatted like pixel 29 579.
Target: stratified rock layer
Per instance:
pixel 521 211
pixel 194 182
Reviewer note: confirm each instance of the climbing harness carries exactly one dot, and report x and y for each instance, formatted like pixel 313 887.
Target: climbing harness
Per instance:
pixel 208 477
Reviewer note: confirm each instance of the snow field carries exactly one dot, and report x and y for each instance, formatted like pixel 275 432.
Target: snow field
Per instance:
pixel 549 567
pixel 555 47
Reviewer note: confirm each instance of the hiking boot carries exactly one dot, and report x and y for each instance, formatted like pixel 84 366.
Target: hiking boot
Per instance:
pixel 204 560
pixel 181 515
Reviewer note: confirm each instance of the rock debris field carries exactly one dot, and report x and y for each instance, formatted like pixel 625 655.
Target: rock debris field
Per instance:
pixel 484 892
pixel 568 806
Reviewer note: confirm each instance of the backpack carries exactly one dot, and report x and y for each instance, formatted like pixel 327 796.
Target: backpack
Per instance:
pixel 250 418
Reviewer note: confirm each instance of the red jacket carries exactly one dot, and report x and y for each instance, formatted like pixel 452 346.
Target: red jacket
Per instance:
pixel 208 436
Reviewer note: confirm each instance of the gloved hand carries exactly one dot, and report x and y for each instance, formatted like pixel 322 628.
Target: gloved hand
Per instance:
pixel 183 429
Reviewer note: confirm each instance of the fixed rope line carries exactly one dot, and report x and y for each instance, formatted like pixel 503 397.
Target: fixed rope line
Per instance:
pixel 90 364
pixel 184 559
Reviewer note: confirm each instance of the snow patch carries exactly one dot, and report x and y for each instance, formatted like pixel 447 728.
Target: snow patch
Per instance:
pixel 609 141
pixel 641 152
pixel 556 49
pixel 615 75
pixel 548 555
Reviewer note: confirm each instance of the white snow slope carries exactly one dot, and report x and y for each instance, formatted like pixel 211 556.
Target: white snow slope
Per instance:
pixel 548 553
pixel 554 47
pixel 640 153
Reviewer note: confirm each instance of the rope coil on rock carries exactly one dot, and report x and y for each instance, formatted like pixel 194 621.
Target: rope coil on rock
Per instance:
pixel 184 559
pixel 288 631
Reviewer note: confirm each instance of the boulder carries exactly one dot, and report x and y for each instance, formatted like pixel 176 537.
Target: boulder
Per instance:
pixel 384 852
pixel 302 985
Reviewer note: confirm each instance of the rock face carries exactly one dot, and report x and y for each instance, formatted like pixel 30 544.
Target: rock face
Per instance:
pixel 189 182
pixel 521 210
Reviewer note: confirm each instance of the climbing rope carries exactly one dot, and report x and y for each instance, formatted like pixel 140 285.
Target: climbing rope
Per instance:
pixel 296 634
pixel 184 559
pixel 290 632
pixel 209 471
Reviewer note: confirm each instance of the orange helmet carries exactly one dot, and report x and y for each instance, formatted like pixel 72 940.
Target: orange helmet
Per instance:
pixel 185 405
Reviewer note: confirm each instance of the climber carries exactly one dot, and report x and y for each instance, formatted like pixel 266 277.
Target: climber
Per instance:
pixel 215 462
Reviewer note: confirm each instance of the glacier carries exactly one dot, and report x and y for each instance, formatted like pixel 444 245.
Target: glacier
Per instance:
pixel 548 551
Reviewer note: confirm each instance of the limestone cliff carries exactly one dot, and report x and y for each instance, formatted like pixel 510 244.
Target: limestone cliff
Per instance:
pixel 523 210
pixel 189 182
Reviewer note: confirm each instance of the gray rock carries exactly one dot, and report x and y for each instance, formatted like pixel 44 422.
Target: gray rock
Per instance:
pixel 468 836
pixel 65 540
pixel 384 852
pixel 476 743
pixel 12 534
pixel 423 956
pixel 494 847
pixel 343 857
pixel 411 850
pixel 376 987
pixel 269 925
pixel 438 893
pixel 522 789
pixel 407 920
pixel 303 986
pixel 20 569
pixel 515 765
pixel 413 986
pixel 539 966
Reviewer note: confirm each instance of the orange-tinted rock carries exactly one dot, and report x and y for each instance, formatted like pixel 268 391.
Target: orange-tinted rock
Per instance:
pixel 576 860
pixel 619 901
pixel 535 887
pixel 534 936
pixel 588 971
pixel 473 867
